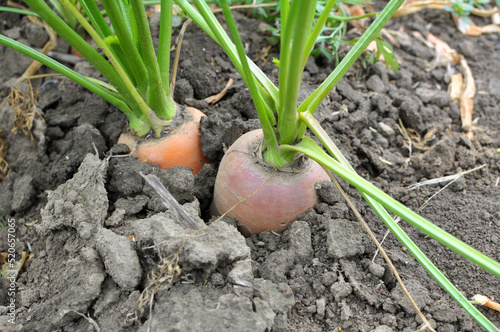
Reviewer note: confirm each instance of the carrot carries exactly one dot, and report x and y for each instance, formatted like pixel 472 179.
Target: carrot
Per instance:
pixel 270 198
pixel 180 148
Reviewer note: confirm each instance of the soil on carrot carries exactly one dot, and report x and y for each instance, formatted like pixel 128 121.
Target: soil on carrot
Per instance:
pixel 103 251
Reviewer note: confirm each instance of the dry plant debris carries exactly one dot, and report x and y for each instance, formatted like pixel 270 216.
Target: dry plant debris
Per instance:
pixel 461 88
pixel 483 300
pixel 159 278
pixel 24 106
pixel 4 166
pixel 215 98
pixel 414 137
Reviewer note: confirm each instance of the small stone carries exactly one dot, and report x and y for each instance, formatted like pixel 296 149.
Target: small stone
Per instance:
pixel 116 219
pixel 376 269
pixel 409 113
pixel 386 130
pixel 425 94
pixel 358 119
pixel 321 306
pixel 328 278
pixel 217 280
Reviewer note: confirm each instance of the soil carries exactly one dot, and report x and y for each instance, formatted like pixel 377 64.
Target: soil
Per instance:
pixel 98 235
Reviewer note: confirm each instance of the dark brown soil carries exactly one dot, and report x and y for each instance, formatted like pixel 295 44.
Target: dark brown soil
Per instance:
pixel 75 209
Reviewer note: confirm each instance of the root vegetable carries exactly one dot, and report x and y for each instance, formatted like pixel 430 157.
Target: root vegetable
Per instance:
pixel 180 148
pixel 288 192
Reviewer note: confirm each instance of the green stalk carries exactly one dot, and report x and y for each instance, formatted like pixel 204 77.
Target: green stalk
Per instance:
pixel 102 28
pixel 136 125
pixel 158 100
pixel 352 18
pixel 293 42
pixel 312 150
pixel 18 11
pixel 70 19
pixel 284 12
pixel 311 40
pixel 124 34
pixel 272 154
pixel 332 149
pixel 165 41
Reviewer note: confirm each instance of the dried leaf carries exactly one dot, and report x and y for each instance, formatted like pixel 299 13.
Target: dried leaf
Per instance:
pixel 467 98
pixel 444 53
pixel 471 29
pixel 455 87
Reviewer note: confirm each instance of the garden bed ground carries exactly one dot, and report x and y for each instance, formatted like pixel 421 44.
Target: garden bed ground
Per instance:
pixel 76 210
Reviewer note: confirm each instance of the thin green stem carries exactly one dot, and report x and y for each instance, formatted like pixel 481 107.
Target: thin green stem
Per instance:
pixel 136 124
pixel 293 41
pixel 18 11
pixel 220 37
pixel 272 155
pixel 165 41
pixel 284 12
pixel 72 38
pixel 353 18
pixel 127 43
pixel 158 99
pixel 318 27
pixel 102 28
pixel 131 90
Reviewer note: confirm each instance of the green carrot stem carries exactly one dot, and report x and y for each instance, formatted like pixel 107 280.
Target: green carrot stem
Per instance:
pixel 158 99
pixel 293 42
pixel 318 27
pixel 125 36
pixel 272 155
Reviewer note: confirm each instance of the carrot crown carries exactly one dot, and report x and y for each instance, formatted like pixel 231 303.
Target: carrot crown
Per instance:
pixel 278 107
